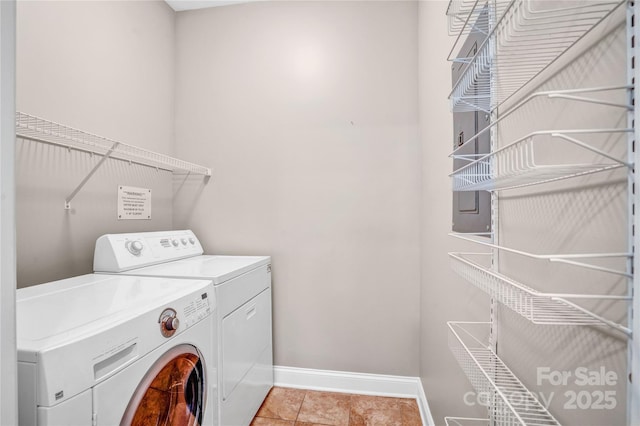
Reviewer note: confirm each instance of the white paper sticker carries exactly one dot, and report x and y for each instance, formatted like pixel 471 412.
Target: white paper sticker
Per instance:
pixel 134 203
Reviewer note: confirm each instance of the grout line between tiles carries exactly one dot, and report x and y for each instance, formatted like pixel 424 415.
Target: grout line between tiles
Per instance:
pixel 300 407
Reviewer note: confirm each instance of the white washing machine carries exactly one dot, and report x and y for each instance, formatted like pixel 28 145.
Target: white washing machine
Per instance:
pixel 243 291
pixel 108 350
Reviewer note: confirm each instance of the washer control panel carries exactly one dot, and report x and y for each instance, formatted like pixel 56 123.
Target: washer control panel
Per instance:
pixel 197 309
pixel 171 320
pixel 121 252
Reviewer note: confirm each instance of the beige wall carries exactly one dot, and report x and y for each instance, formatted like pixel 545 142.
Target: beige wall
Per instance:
pixel 8 355
pixel 444 295
pixel 307 111
pixel 106 68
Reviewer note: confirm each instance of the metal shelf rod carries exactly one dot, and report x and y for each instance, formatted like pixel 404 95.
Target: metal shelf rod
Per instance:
pixel 612 324
pixel 484 43
pixel 561 258
pixel 552 94
pixel 67 201
pixel 461 32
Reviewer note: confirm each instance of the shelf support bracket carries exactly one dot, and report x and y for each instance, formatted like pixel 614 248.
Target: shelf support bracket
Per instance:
pixel 67 201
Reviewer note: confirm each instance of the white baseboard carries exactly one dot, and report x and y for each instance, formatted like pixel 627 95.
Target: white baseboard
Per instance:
pixel 360 383
pixel 425 412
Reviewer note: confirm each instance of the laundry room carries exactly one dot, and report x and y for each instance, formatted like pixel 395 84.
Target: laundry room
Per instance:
pixel 308 144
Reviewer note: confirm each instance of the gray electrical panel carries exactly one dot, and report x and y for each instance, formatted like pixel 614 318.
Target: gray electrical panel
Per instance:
pixel 471 209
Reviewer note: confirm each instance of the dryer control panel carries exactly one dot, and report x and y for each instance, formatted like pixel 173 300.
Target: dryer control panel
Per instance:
pixel 122 252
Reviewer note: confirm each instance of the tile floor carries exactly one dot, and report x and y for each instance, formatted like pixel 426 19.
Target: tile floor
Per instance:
pixel 299 407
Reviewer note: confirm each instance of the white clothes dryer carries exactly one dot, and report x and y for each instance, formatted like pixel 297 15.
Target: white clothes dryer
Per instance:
pixel 108 350
pixel 243 292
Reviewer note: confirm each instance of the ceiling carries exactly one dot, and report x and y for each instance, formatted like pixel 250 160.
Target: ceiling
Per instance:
pixel 180 5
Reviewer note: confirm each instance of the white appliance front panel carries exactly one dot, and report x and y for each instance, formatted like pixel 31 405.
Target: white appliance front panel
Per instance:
pixel 240 407
pixel 245 334
pixel 234 293
pixel 76 411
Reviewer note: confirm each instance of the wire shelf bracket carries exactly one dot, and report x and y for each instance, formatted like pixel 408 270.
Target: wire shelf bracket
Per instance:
pixel 510 401
pixel 37 129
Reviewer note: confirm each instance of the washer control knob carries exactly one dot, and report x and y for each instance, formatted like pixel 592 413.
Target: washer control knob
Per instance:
pixel 135 247
pixel 192 240
pixel 183 241
pixel 175 243
pixel 172 323
pixel 169 322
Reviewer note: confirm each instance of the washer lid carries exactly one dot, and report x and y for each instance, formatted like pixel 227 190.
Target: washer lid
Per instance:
pixel 66 311
pixel 218 269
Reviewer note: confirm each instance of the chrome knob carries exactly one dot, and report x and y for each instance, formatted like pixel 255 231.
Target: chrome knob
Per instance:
pixel 169 322
pixel 184 241
pixel 175 243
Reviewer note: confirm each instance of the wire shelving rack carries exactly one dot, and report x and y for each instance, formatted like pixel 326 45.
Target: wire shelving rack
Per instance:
pixel 38 129
pixel 521 40
pixel 510 401
pixel 543 30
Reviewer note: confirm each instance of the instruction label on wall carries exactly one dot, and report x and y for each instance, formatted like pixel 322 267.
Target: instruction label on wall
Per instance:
pixel 133 203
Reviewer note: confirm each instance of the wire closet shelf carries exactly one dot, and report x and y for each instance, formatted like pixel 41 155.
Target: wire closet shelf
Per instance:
pixel 542 29
pixel 38 129
pixel 590 95
pixel 41 130
pixel 515 165
pixel 509 400
pixel 535 306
